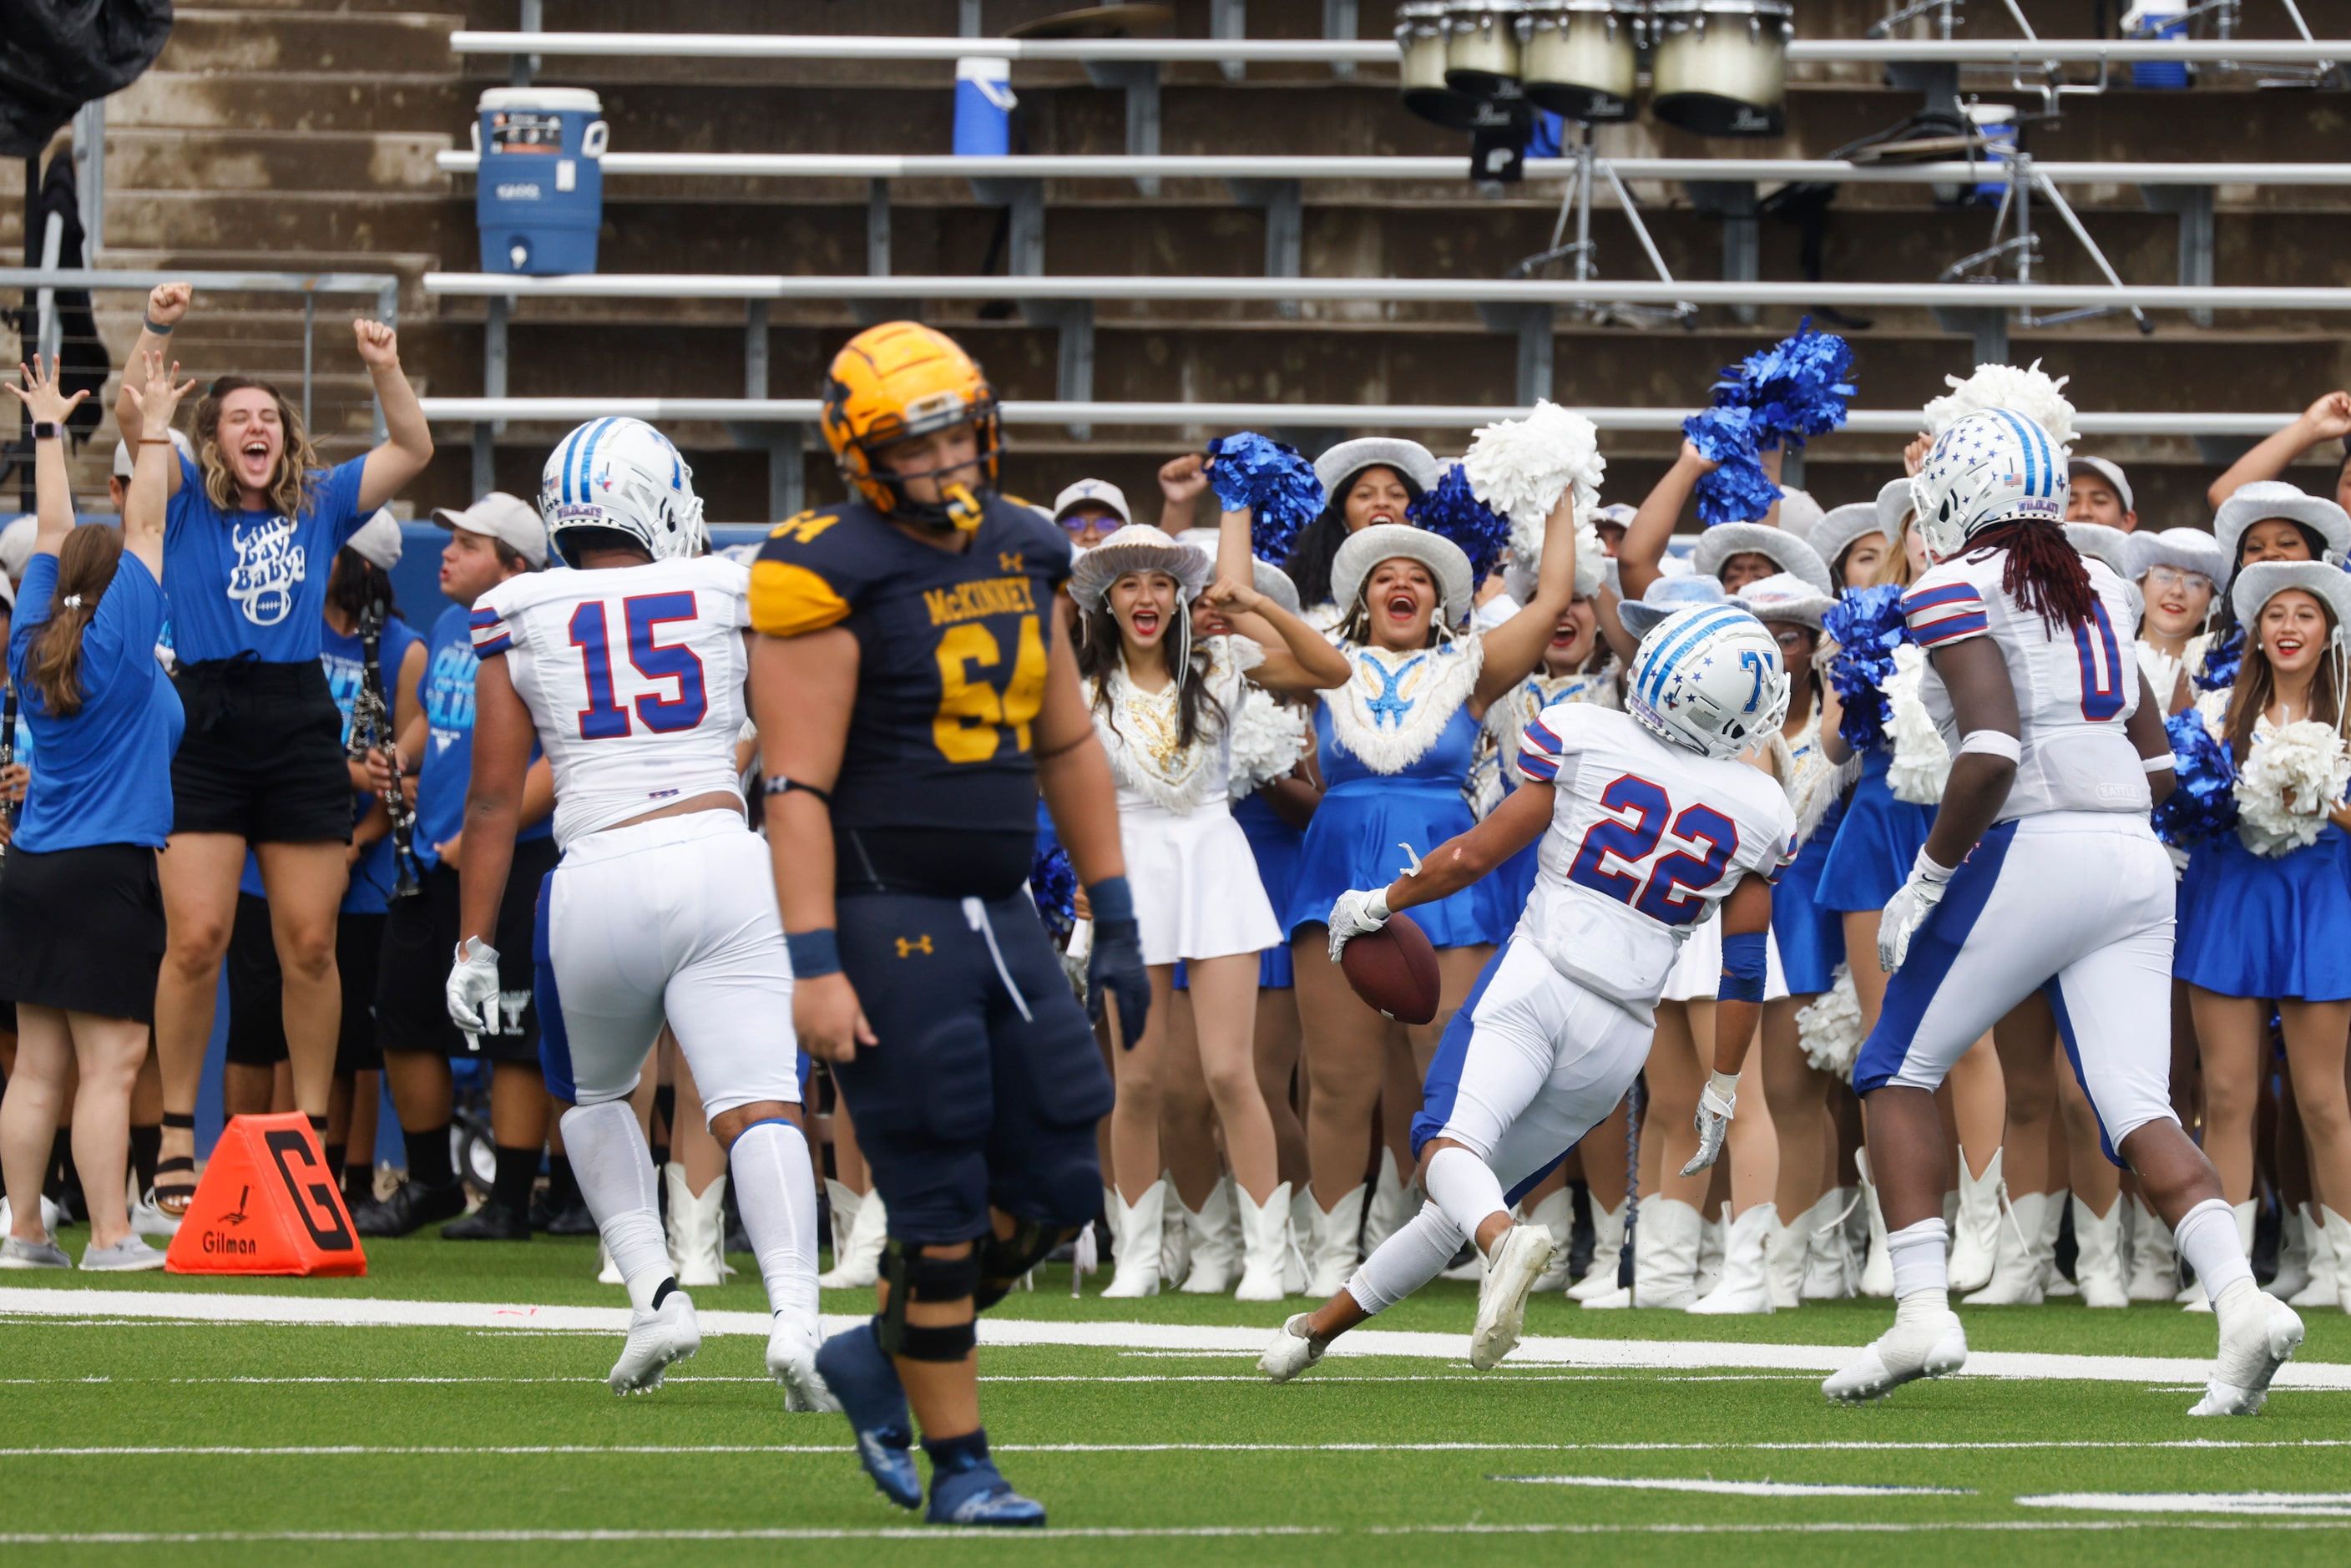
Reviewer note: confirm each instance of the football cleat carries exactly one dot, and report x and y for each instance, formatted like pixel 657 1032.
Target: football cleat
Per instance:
pixel 859 1375
pixel 2259 1335
pixel 970 1491
pixel 791 1362
pixel 668 1333
pixel 1903 1354
pixel 1294 1349
pixel 1518 1261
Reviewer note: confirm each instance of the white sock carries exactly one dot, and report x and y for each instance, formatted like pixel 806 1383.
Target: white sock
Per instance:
pixel 1460 1184
pixel 1916 1253
pixel 2206 1236
pixel 775 1186
pixel 1415 1255
pixel 616 1177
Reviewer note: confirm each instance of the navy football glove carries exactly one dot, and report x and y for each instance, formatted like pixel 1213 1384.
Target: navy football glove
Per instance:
pixel 1114 967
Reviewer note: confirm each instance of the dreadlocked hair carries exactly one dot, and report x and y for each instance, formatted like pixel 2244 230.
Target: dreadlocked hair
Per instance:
pixel 1102 650
pixel 2044 572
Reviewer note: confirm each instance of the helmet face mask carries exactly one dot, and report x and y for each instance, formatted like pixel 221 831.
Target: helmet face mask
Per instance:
pixel 620 476
pixel 1709 680
pixel 1991 466
pixel 900 382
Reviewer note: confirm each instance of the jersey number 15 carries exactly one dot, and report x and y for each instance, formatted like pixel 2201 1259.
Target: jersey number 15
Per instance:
pixel 604 718
pixel 1650 887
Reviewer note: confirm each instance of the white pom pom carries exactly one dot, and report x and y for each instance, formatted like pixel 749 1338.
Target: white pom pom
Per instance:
pixel 1520 467
pixel 2030 391
pixel 2288 782
pixel 1266 739
pixel 1921 761
pixel 1829 1030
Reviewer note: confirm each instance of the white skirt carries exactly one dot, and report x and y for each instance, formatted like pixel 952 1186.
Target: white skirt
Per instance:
pixel 1197 893
pixel 1697 970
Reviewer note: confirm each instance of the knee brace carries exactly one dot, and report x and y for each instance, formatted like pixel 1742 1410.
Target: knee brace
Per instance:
pixel 915 1276
pixel 1002 1261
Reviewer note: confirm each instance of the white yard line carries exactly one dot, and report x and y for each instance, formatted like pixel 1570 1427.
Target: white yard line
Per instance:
pixel 347 1450
pixel 1534 1351
pixel 1737 1489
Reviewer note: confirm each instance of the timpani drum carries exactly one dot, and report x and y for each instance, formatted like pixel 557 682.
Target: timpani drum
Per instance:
pixel 1580 57
pixel 1720 65
pixel 1481 47
pixel 1420 40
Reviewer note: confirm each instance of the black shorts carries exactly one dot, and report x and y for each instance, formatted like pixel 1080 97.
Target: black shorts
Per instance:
pixel 420 941
pixel 966 1104
pixel 257 1014
pixel 263 754
pixel 82 929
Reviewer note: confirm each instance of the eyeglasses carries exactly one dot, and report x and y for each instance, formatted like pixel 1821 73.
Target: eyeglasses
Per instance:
pixel 2172 576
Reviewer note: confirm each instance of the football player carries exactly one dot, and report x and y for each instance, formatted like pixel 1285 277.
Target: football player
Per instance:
pixel 915 685
pixel 2040 875
pixel 1648 822
pixel 630 671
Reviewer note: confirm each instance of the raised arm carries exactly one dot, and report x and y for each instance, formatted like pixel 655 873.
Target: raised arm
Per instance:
pixel 408 440
pixel 2328 419
pixel 156 460
pixel 1297 658
pixel 1644 544
pixel 1515 648
pixel 167 304
pixel 52 486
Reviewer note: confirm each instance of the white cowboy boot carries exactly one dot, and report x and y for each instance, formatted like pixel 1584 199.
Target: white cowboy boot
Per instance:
pixel 2154 1262
pixel 1877 1268
pixel 1265 1234
pixel 1139 1224
pixel 1607 1252
pixel 1556 1214
pixel 1175 1235
pixel 1665 1258
pixel 1743 1287
pixel 2020 1275
pixel 1214 1228
pixel 2294 1255
pixel 1295 1274
pixel 1828 1270
pixel 841 1202
pixel 2325 1268
pixel 2338 1235
pixel 1710 1249
pixel 1784 1252
pixel 1333 1255
pixel 1975 1239
pixel 2097 1256
pixel 697 1230
pixel 860 1265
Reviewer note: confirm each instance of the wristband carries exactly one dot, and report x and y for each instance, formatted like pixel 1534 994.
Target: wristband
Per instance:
pixel 1724 1086
pixel 2163 764
pixel 1992 743
pixel 1110 900
pixel 153 326
pixel 813 953
pixel 1926 868
pixel 1742 967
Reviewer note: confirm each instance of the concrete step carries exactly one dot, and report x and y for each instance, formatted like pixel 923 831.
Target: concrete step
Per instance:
pixel 433 103
pixel 366 163
pixel 278 38
pixel 292 223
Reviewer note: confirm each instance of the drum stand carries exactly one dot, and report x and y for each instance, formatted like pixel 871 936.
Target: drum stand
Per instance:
pixel 1582 253
pixel 1989 323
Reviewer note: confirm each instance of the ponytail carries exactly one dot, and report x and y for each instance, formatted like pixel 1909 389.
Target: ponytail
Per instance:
pixel 2044 572
pixel 85 567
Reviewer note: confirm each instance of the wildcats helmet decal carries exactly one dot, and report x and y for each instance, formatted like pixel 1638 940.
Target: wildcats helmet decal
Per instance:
pixel 1990 466
pixel 621 475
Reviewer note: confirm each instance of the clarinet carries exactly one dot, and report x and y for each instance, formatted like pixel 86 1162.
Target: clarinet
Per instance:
pixel 372 730
pixel 12 806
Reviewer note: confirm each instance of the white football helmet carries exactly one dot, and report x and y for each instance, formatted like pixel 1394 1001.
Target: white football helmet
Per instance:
pixel 624 477
pixel 1709 679
pixel 1990 466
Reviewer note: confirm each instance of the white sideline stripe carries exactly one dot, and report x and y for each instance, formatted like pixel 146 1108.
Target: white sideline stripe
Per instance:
pixel 1849 1527
pixel 1739 1488
pixel 369 1451
pixel 993 1538
pixel 1537 1350
pixel 2275 1504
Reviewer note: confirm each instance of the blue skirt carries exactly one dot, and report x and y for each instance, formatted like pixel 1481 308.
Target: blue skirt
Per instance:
pixel 1809 934
pixel 1352 843
pixel 2252 927
pixel 1277 846
pixel 1876 844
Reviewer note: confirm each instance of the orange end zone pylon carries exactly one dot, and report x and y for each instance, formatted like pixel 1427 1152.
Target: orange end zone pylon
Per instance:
pixel 267 1205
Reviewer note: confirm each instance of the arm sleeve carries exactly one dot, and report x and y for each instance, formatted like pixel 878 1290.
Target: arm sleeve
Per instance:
pixel 1939 613
pixel 124 627
pixel 1547 748
pixel 491 634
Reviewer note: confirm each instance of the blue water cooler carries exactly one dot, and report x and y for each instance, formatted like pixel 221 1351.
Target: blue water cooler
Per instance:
pixel 983 107
pixel 539 197
pixel 1996 124
pixel 2151 19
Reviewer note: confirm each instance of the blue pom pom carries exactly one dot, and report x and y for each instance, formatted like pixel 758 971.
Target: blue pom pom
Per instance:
pixel 1797 387
pixel 1868 626
pixel 1274 481
pixel 2222 661
pixel 2202 804
pixel 1738 491
pixel 1053 882
pixel 1453 511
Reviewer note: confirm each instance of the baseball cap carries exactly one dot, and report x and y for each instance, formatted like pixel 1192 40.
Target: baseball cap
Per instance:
pixel 1101 492
pixel 379 539
pixel 123 454
pixel 509 520
pixel 2112 473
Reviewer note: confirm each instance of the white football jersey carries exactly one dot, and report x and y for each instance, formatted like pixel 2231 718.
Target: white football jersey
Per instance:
pixel 634 676
pixel 2074 690
pixel 1647 838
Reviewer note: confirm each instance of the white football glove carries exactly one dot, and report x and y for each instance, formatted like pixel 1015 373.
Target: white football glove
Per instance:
pixel 1354 913
pixel 1716 1103
pixel 1912 903
pixel 473 989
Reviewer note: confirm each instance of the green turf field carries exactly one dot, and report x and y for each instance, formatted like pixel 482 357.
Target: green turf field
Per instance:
pixel 286 1443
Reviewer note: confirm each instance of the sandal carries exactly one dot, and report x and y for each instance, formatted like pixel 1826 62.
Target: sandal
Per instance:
pixel 173 1197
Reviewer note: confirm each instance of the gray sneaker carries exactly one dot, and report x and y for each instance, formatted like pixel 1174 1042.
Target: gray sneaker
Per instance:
pixel 16 1254
pixel 125 1257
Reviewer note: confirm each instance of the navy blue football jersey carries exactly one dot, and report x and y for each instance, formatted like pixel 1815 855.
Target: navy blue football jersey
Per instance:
pixel 938 790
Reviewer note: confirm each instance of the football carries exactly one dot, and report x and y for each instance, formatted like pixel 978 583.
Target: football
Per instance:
pixel 1395 970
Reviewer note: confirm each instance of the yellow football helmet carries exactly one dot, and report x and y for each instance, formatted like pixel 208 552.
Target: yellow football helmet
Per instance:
pixel 898 381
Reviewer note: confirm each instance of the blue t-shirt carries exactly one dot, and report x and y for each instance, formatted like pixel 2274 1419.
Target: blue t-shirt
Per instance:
pixel 447 768
pixel 255 582
pixel 104 776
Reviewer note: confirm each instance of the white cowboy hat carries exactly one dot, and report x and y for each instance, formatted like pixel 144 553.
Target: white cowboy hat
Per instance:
pixel 1799 513
pixel 1665 596
pixel 1781 548
pixel 1844 527
pixel 1894 505
pixel 2266 498
pixel 1267 578
pixel 1414 463
pixel 2189 549
pixel 1138 546
pixel 2265 580
pixel 1366 548
pixel 2108 543
pixel 1783 596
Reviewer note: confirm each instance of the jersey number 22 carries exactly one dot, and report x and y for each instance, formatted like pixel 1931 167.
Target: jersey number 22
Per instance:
pixel 1650 886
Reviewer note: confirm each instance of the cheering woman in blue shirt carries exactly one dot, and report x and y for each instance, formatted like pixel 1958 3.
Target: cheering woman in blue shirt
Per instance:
pixel 250 530
pixel 81 917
